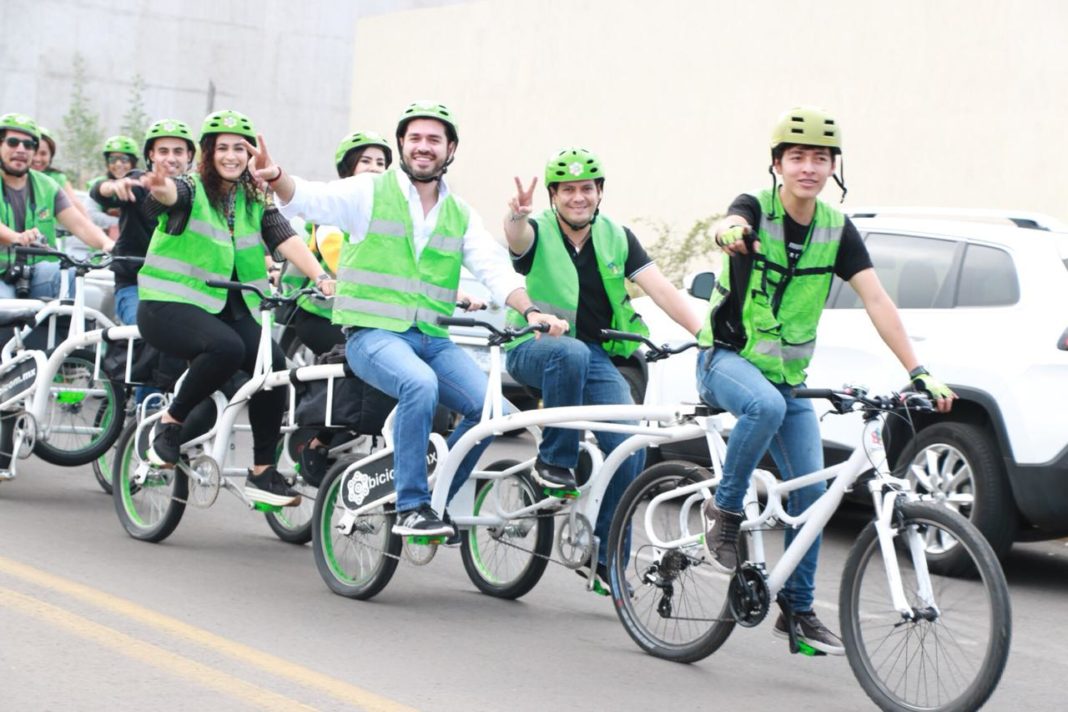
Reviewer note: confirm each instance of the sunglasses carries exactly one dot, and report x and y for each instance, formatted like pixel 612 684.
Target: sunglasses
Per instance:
pixel 28 143
pixel 121 158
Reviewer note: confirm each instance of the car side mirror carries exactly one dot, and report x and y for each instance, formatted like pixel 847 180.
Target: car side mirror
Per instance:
pixel 702 285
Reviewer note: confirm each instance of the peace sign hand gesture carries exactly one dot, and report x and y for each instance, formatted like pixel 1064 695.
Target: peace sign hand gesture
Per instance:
pixel 522 203
pixel 155 180
pixel 260 163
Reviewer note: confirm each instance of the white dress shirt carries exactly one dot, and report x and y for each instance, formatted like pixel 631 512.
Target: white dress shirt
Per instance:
pixel 347 203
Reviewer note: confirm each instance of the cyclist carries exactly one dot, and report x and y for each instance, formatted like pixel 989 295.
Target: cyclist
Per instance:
pixel 784 245
pixel 30 205
pixel 399 270
pixel 168 148
pixel 214 225
pixel 576 261
pixel 42 162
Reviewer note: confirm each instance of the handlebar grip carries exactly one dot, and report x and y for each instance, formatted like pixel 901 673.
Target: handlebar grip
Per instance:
pixel 133 259
pixel 227 284
pixel 465 304
pixel 613 335
pixel 813 393
pixel 458 321
pixel 36 251
pixel 540 326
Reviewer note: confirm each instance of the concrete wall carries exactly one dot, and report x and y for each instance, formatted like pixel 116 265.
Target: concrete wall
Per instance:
pixel 957 102
pixel 287 65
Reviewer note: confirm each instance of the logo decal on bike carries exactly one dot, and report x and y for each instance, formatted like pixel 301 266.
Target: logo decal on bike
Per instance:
pixel 374 480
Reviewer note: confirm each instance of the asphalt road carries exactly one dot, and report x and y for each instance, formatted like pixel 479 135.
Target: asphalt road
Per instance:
pixel 224 616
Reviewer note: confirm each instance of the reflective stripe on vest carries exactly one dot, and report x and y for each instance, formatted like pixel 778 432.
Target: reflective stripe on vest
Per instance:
pixel 177 267
pixel 380 282
pixel 40 204
pixel 553 282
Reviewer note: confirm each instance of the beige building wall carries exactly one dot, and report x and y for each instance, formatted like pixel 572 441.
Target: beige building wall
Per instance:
pixel 958 103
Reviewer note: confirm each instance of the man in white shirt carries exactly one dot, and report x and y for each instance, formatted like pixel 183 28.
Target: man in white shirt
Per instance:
pixel 399 270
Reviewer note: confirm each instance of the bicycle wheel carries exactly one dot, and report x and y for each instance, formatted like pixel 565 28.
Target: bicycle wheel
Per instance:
pixel 952 655
pixel 85 415
pixel 507 561
pixel 671 602
pixel 102 465
pixel 359 564
pixel 293 525
pixel 149 510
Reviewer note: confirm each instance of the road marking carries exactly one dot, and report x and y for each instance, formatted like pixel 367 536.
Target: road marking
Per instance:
pixel 272 664
pixel 148 654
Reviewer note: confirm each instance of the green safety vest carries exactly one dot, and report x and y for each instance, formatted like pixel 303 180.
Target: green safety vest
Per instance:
pixel 553 283
pixel 295 280
pixel 382 285
pixel 40 207
pixel 782 306
pixel 58 176
pixel 177 267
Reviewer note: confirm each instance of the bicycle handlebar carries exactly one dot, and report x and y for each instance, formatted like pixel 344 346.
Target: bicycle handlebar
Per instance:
pixel 850 397
pixel 267 301
pixel 655 353
pixel 497 336
pixel 96 261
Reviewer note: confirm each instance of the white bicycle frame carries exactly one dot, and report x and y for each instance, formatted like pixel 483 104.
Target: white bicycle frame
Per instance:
pixel 884 488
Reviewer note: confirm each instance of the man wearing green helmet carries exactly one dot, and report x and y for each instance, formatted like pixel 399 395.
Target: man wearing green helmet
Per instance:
pixel 168 147
pixel 391 291
pixel 783 248
pixel 30 205
pixel 576 261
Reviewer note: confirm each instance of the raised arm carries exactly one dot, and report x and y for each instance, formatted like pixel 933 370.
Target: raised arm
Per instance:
pixel 517 229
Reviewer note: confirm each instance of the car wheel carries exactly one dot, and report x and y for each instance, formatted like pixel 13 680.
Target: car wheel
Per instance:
pixel 959 465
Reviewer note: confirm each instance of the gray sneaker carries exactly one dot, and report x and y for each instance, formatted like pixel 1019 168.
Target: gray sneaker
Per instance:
pixel 721 537
pixel 811 630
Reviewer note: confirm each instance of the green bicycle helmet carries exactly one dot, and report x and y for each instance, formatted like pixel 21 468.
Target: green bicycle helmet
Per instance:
pixel 573 164
pixel 429 110
pixel 168 128
pixel 46 136
pixel 120 144
pixel 20 122
pixel 231 122
pixel 807 126
pixel 361 139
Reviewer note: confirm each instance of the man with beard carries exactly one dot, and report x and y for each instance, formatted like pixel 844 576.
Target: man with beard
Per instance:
pixel 30 205
pixel 399 271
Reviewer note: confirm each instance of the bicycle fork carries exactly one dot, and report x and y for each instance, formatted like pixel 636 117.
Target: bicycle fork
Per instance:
pixel 886 512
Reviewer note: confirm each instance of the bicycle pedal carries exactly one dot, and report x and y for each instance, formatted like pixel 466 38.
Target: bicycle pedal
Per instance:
pixel 561 493
pixel 264 507
pixel 805 649
pixel 424 540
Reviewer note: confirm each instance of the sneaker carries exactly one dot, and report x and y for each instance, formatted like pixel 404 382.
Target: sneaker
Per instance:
pixel 6 475
pixel 721 537
pixel 811 630
pixel 422 521
pixel 314 462
pixel 600 579
pixel 166 445
pixel 552 476
pixel 453 539
pixel 269 487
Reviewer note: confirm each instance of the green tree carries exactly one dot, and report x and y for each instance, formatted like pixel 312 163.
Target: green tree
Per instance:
pixel 678 254
pixel 82 134
pixel 135 121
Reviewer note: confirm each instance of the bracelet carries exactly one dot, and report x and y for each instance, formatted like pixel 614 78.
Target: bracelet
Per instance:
pixel 917 372
pixel 528 310
pixel 277 177
pixel 516 217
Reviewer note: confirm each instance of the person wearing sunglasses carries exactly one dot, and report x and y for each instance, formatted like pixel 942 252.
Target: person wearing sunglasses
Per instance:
pixel 30 205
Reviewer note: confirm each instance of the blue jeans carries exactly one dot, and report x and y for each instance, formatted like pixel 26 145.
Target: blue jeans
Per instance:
pixel 126 301
pixel 44 282
pixel 419 370
pixel 571 372
pixel 768 420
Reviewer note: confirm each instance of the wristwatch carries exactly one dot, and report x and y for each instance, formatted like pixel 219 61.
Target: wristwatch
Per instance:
pixel 527 312
pixel 323 276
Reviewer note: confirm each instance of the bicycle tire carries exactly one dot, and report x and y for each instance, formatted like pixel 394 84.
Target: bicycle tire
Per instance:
pixel 357 565
pixel 672 603
pixel 110 408
pixel 870 623
pixel 507 562
pixel 151 511
pixel 293 525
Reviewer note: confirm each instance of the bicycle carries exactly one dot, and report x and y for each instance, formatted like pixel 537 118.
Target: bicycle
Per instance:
pixel 894 601
pixel 506 521
pixel 55 401
pixel 150 501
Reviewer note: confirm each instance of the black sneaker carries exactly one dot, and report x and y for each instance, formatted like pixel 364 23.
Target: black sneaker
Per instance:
pixel 423 521
pixel 166 445
pixel 810 630
pixel 721 537
pixel 453 539
pixel 314 462
pixel 269 487
pixel 600 579
pixel 552 476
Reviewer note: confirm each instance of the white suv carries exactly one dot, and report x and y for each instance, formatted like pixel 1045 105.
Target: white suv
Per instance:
pixel 985 305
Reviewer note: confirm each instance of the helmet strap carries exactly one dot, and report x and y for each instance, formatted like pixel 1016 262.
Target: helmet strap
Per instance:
pixel 841 180
pixel 774 191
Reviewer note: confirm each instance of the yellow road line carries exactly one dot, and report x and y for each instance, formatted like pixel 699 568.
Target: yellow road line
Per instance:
pixel 272 664
pixel 149 654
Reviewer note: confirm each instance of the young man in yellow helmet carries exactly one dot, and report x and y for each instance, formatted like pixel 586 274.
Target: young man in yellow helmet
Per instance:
pixel 783 248
pixel 576 263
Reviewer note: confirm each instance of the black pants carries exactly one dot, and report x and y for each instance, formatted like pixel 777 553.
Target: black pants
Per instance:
pixel 317 333
pixel 215 348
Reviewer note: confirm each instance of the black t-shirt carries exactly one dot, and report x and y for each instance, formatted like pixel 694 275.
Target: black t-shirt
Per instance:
pixel 852 258
pixel 594 310
pixel 135 229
